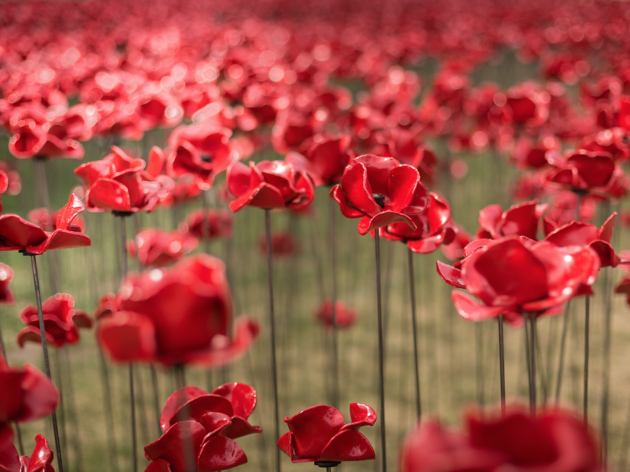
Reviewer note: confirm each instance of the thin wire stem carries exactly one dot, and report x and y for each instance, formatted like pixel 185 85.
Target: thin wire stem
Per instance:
pixel 272 323
pixel 42 332
pixel 381 376
pixel 502 364
pixel 414 328
pixel 563 342
pixel 333 268
pixel 587 317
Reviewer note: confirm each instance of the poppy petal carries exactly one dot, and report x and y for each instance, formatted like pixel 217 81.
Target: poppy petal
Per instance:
pixel 348 445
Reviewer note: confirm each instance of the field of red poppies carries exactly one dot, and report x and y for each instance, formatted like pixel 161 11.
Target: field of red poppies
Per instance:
pixel 374 235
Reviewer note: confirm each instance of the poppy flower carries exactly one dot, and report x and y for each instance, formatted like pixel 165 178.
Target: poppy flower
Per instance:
pixel 219 223
pixel 35 136
pixel 4 185
pixel 61 322
pixel 324 158
pixel 586 234
pixel 6 277
pixel 27 394
pixel 232 403
pixel 200 442
pixel 515 275
pixel 14 184
pixel 269 184
pixel 157 110
pixel 282 244
pixel 526 104
pixel 344 316
pixel 528 154
pixel 433 228
pixel 610 141
pixel 291 131
pixel 380 191
pixel 42 218
pixel 520 220
pixel 40 460
pixel 562 207
pixel 584 171
pixel 181 314
pixel 155 248
pixel 17 234
pixel 320 433
pixel 556 440
pixel 201 150
pixel 118 183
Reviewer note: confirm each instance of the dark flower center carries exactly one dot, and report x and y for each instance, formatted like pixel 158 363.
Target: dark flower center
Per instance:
pixel 379 199
pixel 206 157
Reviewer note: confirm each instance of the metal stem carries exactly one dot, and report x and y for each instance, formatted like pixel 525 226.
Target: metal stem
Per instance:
pixel 587 310
pixel 156 397
pixel 132 402
pixel 532 353
pixel 42 332
pixel 333 268
pixel 502 364
pixel 272 323
pixel 381 376
pixel 414 327
pixel 563 341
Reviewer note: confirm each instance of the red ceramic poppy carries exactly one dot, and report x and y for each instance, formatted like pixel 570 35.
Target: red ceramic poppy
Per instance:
pixel 157 109
pixel 6 277
pixel 14 184
pixel 156 248
pixel 380 191
pixel 528 154
pixel 17 234
pixel 324 158
pixel 61 322
pixel 344 316
pixel 585 234
pixel 118 183
pixel 515 275
pixel 42 218
pixel 201 150
pixel 219 224
pixel 40 460
pixel 584 171
pixel 231 404
pixel 27 394
pixel 282 244
pixel 181 314
pixel 4 185
pixel 269 184
pixel 319 433
pixel 520 220
pixel 36 136
pixel 554 439
pixel 433 228
pixel 198 442
pixel 610 141
pixel 527 104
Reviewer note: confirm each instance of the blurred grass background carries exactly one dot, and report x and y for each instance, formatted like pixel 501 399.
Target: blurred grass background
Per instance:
pixel 458 360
